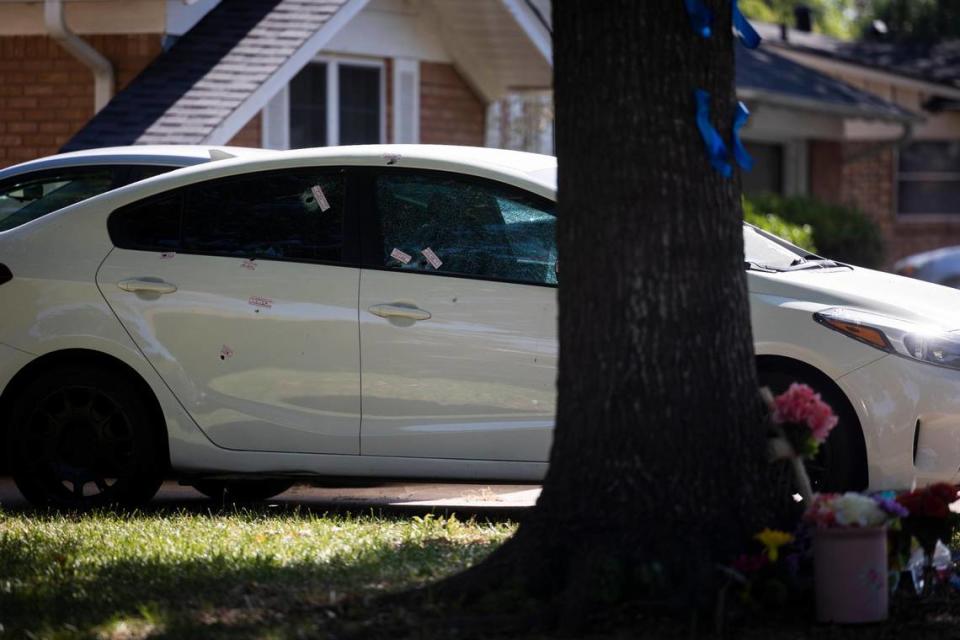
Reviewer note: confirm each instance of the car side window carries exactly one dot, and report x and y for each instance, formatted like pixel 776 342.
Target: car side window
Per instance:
pixel 279 214
pixel 31 196
pixel 148 225
pixel 439 222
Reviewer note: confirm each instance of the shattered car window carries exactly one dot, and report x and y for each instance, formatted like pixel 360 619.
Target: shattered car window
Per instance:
pixel 450 224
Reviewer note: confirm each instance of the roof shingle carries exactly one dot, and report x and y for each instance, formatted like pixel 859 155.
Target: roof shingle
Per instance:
pixel 183 95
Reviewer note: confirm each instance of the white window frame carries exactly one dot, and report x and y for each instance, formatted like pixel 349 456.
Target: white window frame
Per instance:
pixel 276 114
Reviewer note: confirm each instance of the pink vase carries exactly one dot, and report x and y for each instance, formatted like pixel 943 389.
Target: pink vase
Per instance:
pixel 850 574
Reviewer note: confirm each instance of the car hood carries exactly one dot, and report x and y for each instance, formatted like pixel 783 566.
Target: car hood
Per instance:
pixel 866 289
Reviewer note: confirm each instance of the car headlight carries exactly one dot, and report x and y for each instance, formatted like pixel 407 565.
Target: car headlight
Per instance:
pixel 926 343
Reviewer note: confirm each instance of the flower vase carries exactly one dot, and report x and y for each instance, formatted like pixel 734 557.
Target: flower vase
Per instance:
pixel 850 574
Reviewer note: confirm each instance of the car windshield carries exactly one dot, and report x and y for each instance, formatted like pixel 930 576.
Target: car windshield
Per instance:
pixel 761 249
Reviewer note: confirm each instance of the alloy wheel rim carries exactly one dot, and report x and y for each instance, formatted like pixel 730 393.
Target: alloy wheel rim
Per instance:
pixel 80 442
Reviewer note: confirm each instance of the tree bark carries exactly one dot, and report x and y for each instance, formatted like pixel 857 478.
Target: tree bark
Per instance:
pixel 658 469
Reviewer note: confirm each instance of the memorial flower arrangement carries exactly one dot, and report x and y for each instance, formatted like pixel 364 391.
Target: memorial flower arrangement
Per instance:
pixel 851 510
pixel 930 518
pixel 800 421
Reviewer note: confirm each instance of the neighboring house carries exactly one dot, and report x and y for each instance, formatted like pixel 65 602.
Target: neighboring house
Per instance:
pixel 272 73
pixel 905 175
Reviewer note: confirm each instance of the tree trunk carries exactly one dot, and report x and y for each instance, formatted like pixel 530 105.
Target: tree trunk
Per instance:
pixel 658 468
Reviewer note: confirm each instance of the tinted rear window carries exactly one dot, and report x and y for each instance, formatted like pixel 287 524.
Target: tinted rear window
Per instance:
pixel 33 195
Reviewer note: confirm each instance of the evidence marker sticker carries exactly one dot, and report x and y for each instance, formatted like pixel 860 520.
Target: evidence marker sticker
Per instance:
pixel 400 256
pixel 432 258
pixel 321 198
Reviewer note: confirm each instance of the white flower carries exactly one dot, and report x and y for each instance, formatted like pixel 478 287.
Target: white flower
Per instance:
pixel 854 509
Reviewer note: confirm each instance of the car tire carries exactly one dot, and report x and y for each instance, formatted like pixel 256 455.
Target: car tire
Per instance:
pixel 841 462
pixel 80 437
pixel 242 490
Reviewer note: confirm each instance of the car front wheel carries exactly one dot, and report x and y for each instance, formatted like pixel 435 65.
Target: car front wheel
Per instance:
pixel 80 437
pixel 841 463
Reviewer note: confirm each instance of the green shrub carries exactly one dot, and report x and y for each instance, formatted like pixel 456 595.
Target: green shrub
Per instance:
pixel 839 232
pixel 798 234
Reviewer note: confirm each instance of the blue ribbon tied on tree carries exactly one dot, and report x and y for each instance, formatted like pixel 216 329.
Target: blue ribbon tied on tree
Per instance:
pixel 716 149
pixel 701 18
pixel 739 151
pixel 748 35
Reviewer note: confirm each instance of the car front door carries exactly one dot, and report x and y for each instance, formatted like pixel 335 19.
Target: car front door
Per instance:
pixel 242 293
pixel 457 318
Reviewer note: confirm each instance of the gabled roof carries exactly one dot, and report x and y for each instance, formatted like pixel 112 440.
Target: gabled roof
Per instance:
pixel 933 62
pixel 200 91
pixel 765 75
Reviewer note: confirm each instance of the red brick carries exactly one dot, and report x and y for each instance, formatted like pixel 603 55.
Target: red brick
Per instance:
pixel 450 112
pixel 22 127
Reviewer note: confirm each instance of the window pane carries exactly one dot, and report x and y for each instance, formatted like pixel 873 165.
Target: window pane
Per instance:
pixel 149 225
pixel 767 173
pixel 24 199
pixel 359 104
pixel 473 228
pixel 308 107
pixel 929 196
pixel 930 157
pixel 289 215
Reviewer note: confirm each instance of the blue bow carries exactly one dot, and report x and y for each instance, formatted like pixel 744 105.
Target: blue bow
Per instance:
pixel 716 150
pixel 748 35
pixel 701 18
pixel 739 151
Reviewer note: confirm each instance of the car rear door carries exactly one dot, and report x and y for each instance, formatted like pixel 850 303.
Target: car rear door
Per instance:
pixel 457 318
pixel 242 293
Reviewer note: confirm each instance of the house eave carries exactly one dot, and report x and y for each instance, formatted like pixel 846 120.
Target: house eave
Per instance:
pixel 805 104
pixel 827 62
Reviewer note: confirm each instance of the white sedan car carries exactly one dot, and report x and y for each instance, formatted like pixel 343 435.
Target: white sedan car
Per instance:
pixel 387 312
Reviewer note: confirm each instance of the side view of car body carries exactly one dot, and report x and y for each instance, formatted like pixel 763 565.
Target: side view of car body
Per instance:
pixel 385 312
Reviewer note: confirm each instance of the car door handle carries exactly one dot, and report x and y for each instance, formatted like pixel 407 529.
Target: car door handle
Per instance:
pixel 147 286
pixel 400 311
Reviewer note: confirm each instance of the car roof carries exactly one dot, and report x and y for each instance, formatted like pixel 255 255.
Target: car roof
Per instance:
pixel 532 171
pixel 165 155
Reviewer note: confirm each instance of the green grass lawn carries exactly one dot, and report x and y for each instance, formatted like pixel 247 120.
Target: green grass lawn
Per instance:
pixel 249 574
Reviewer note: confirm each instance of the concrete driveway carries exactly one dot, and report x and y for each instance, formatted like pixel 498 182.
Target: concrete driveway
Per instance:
pixel 467 499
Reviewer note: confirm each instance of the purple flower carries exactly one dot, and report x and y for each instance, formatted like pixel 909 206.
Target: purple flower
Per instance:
pixel 891 506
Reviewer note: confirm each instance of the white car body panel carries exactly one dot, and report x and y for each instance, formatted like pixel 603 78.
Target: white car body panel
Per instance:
pixel 53 303
pixel 281 373
pixel 478 375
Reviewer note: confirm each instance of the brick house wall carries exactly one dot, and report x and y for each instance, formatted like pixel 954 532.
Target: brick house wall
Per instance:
pixel 46 95
pixel 250 134
pixel 450 111
pixel 868 183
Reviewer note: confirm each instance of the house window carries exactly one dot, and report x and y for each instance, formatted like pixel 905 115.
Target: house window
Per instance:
pixel 337 102
pixel 767 173
pixel 928 180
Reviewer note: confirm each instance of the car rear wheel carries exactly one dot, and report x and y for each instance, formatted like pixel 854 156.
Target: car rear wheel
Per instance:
pixel 81 437
pixel 241 490
pixel 841 462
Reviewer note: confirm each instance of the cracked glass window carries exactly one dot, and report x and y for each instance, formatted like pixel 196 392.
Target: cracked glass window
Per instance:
pixel 473 227
pixel 289 215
